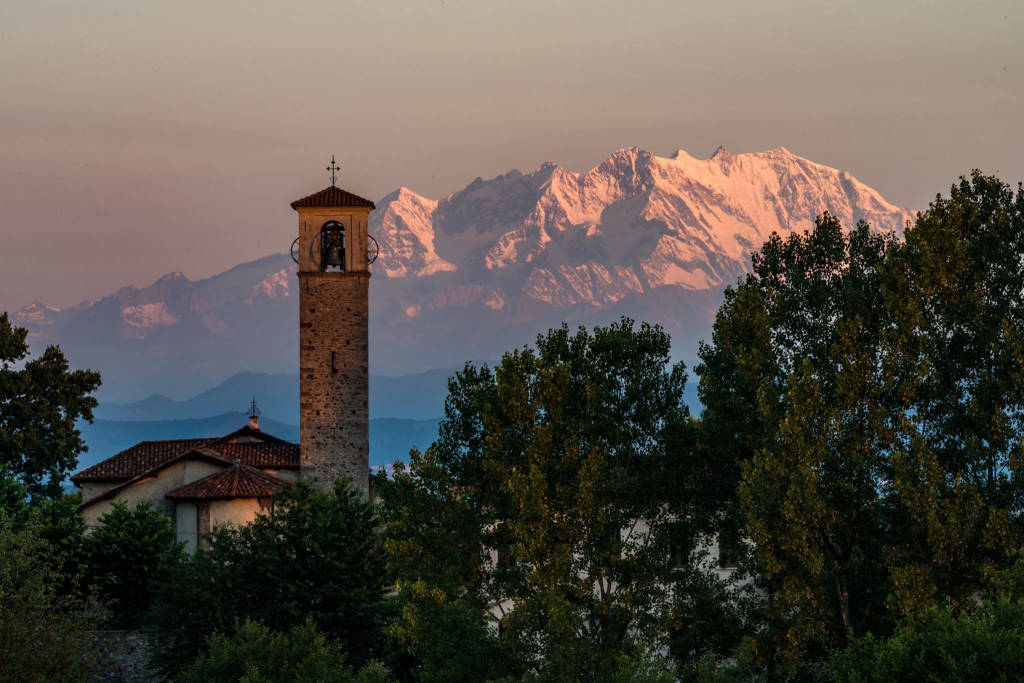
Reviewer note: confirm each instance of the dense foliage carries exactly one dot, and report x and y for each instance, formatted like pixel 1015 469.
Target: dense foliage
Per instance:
pixel 867 394
pixel 126 558
pixel 40 401
pixel 314 556
pixel 42 632
pixel 255 654
pixel 940 645
pixel 860 451
pixel 561 483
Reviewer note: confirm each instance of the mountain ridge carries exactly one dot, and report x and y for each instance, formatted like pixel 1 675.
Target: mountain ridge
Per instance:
pixel 481 270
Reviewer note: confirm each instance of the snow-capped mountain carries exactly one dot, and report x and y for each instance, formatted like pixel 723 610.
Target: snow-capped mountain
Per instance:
pixel 484 269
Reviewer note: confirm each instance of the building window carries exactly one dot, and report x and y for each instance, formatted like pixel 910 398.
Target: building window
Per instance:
pixel 677 555
pixel 680 548
pixel 729 547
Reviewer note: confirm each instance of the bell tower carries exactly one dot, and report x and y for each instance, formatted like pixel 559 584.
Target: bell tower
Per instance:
pixel 334 251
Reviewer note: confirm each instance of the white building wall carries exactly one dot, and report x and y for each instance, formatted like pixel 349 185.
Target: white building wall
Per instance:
pixel 233 512
pixel 154 489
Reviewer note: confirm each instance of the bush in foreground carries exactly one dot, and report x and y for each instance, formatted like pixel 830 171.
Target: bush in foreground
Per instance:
pixel 987 645
pixel 254 654
pixel 42 634
pixel 314 556
pixel 126 557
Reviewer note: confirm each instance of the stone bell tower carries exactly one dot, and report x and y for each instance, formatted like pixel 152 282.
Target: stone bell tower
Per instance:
pixel 333 251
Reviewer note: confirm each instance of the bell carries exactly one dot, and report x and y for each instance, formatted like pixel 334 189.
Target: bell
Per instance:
pixel 334 256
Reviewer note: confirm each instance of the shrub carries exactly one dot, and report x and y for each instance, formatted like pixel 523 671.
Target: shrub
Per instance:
pixel 42 634
pixel 314 556
pixel 987 645
pixel 254 654
pixel 127 557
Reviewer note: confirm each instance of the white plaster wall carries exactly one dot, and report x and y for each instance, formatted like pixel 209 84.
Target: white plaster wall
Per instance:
pixel 234 512
pixel 93 489
pixel 154 489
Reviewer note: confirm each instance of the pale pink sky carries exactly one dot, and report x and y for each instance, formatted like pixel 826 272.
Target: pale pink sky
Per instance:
pixel 141 137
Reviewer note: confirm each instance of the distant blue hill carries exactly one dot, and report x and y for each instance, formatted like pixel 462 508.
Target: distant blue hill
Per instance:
pixel 390 438
pixel 418 396
pixel 404 413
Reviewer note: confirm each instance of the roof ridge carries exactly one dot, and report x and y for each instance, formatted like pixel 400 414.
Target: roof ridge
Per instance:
pixel 111 492
pixel 194 438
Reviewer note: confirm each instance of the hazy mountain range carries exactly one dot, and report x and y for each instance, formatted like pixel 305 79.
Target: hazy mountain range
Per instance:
pixel 476 273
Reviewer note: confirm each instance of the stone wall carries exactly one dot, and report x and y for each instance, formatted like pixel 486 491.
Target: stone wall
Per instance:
pixel 123 656
pixel 334 376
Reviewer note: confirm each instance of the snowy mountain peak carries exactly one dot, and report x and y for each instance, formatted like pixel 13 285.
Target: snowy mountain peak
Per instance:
pixel 35 315
pixel 487 267
pixel 403 226
pixel 634 223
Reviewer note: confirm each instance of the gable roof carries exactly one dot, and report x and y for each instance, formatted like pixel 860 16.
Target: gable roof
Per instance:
pixel 331 196
pixel 137 459
pixel 275 456
pixel 201 453
pixel 237 481
pixel 247 445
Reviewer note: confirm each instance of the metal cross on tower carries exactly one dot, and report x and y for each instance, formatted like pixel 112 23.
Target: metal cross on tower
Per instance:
pixel 333 168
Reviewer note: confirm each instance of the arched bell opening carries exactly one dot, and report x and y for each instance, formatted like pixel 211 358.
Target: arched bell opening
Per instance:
pixel 332 246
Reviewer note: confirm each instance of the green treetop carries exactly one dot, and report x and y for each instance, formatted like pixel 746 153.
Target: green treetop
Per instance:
pixel 40 401
pixel 559 484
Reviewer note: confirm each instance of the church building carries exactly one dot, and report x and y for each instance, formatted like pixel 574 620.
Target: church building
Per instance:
pixel 201 483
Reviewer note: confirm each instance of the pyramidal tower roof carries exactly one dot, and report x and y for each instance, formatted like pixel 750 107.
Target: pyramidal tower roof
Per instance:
pixel 332 196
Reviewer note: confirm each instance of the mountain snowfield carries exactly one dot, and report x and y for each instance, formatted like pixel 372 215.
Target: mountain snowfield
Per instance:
pixel 482 270
pixel 634 223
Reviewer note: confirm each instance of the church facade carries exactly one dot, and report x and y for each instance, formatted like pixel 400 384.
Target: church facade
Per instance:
pixel 201 483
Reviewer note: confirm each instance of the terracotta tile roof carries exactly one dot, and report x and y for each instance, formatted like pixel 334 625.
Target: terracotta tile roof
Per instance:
pixel 138 459
pixel 192 454
pixel 237 481
pixel 271 453
pixel 332 196
pixel 275 456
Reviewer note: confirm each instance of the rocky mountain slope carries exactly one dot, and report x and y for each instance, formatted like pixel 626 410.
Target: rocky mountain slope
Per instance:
pixel 481 270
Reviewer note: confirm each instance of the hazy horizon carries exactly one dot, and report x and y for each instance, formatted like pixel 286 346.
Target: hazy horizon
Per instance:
pixel 142 138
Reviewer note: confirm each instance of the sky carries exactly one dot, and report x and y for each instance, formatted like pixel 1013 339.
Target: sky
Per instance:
pixel 139 137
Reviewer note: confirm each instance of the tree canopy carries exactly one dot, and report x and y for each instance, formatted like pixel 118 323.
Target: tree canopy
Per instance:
pixel 41 399
pixel 865 393
pixel 560 483
pixel 314 555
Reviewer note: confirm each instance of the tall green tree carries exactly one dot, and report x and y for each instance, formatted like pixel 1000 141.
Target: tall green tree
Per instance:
pixel 40 401
pixel 559 484
pixel 958 360
pixel 799 413
pixel 868 392
pixel 55 521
